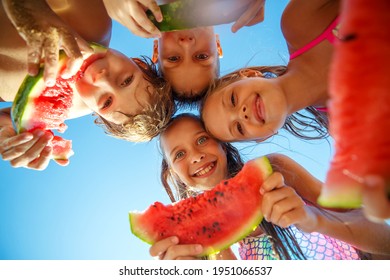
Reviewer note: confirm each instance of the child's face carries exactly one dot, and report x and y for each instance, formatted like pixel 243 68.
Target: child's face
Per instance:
pixel 188 59
pixel 113 86
pixel 247 109
pixel 196 158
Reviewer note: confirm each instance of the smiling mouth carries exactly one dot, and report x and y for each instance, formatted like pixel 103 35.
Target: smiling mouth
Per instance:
pixel 204 171
pixel 258 109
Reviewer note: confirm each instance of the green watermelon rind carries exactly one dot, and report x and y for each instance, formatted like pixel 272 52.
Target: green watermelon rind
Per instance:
pixel 264 166
pixel 341 196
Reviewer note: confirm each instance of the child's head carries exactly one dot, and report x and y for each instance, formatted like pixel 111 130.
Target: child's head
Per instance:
pixel 192 159
pixel 131 100
pixel 189 60
pixel 250 104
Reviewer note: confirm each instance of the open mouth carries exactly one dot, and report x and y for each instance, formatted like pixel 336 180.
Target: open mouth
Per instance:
pixel 205 170
pixel 258 109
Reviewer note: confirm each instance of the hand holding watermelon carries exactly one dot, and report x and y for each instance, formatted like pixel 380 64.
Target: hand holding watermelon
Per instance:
pixel 45 33
pixel 170 249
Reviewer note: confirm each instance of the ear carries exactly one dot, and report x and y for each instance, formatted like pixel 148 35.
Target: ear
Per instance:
pixel 250 73
pixel 219 48
pixel 155 51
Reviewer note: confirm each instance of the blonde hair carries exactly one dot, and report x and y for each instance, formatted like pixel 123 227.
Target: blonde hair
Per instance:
pixel 153 118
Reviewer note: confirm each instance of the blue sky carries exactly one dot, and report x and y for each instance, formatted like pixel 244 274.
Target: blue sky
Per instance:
pixel 81 211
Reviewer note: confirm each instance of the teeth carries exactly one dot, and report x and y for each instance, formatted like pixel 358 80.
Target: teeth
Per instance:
pixel 204 171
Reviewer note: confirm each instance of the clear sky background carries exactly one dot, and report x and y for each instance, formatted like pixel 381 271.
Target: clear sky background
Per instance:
pixel 81 211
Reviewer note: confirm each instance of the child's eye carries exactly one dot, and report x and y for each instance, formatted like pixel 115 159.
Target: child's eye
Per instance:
pixel 202 56
pixel 239 128
pixel 107 103
pixel 201 140
pixel 127 81
pixel 174 58
pixel 233 99
pixel 179 155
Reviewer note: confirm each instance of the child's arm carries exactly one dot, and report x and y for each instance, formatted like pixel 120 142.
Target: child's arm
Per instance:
pixel 131 13
pixel 253 15
pixel 44 31
pixel 376 203
pixel 170 249
pixel 282 206
pixel 26 149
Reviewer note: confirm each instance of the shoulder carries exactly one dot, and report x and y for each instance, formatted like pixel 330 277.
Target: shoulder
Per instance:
pixel 303 20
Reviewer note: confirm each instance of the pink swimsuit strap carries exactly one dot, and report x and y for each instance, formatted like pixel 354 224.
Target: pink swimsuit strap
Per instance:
pixel 327 34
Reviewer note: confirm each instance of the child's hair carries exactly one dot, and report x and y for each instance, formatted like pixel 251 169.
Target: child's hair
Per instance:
pixel 153 118
pixel 298 124
pixel 283 239
pixel 191 100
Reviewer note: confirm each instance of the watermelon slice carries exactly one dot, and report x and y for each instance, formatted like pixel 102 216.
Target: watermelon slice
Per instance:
pixel 360 102
pixel 216 218
pixel 39 107
pixel 187 14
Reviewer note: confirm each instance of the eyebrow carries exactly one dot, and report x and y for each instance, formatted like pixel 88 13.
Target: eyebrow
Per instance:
pixel 195 135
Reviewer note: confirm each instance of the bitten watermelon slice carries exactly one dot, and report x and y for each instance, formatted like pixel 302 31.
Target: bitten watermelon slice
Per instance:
pixel 187 14
pixel 39 107
pixel 360 102
pixel 216 218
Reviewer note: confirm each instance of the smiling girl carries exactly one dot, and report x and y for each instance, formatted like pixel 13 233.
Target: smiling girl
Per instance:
pixel 252 104
pixel 193 161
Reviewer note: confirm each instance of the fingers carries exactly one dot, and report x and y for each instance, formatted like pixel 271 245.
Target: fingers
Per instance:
pixel 278 203
pixel 376 204
pixel 22 152
pixel 169 249
pixel 253 10
pixel 155 9
pixel 274 181
pixel 73 47
pixel 34 54
pixel 51 50
pixel 148 28
pixel 42 161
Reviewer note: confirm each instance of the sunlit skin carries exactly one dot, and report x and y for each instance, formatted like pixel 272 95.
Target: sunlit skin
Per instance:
pixel 250 109
pixel 188 59
pixel 114 86
pixel 194 157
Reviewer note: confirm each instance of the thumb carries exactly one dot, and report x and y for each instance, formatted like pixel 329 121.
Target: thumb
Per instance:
pixel 376 203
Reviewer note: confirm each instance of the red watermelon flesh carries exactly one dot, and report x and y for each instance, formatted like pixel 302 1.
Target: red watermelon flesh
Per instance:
pixel 39 107
pixel 215 219
pixel 360 102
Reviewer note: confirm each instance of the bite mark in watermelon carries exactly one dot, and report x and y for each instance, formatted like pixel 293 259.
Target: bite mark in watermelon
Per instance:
pixel 359 111
pixel 215 219
pixel 39 107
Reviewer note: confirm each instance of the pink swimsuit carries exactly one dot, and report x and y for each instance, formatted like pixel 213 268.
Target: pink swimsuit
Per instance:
pixel 328 34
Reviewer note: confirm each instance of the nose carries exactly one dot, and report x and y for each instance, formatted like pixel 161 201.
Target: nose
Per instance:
pixel 197 157
pixel 186 40
pixel 102 73
pixel 243 113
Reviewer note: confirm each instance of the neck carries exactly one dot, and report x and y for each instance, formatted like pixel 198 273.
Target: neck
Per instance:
pixel 303 87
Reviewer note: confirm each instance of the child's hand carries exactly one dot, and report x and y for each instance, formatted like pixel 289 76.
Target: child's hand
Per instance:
pixel 131 14
pixel 26 149
pixel 282 206
pixel 45 33
pixel 170 249
pixel 253 15
pixel 376 204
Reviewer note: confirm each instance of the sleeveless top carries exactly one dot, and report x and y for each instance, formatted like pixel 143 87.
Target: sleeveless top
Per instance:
pixel 315 246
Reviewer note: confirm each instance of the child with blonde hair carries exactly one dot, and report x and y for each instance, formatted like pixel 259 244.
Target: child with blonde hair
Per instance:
pixel 130 99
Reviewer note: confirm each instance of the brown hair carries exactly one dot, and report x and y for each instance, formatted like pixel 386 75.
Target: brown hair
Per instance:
pixel 299 124
pixel 153 118
pixel 283 239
